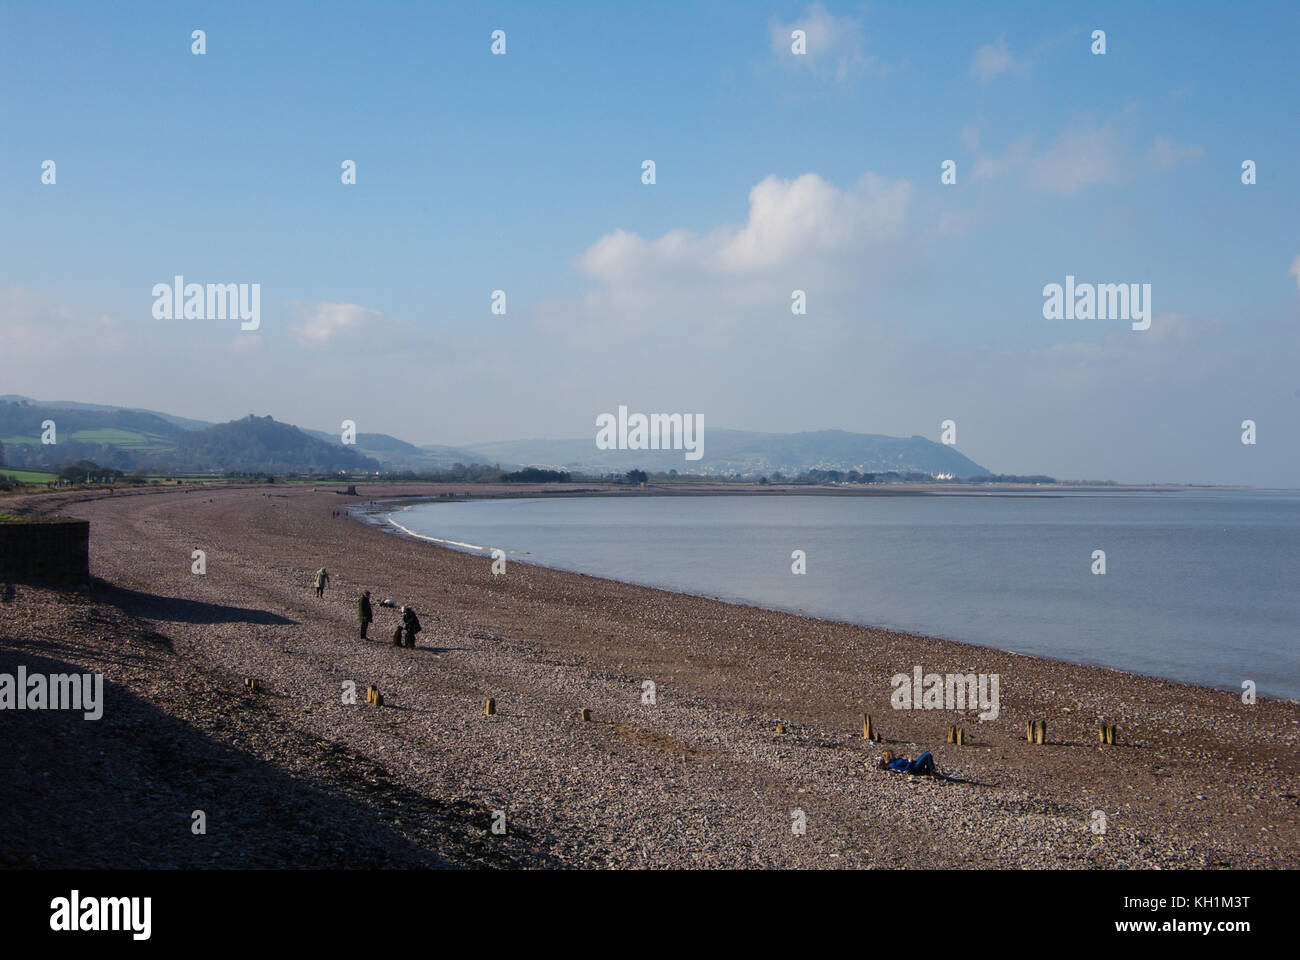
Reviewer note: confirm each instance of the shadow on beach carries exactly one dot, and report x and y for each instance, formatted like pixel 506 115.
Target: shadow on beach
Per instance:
pixel 121 792
pixel 950 778
pixel 151 606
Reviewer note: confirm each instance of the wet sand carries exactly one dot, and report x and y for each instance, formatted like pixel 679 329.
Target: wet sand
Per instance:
pixel 294 776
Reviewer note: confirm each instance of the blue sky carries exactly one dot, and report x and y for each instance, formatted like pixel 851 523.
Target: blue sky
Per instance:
pixel 523 172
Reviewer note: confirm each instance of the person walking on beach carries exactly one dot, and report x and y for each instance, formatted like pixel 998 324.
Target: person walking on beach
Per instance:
pixel 412 624
pixel 322 578
pixel 364 613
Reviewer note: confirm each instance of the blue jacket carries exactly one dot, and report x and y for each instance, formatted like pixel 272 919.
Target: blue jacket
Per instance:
pixel 903 765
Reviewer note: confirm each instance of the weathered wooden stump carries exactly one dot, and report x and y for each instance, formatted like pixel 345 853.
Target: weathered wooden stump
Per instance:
pixel 490 708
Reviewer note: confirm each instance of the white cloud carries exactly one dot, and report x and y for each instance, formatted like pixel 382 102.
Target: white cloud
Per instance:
pixel 1082 155
pixel 1295 270
pixel 55 349
pixel 1015 156
pixel 1164 154
pixel 955 223
pixel 991 60
pixel 1079 157
pixel 834 44
pixel 803 233
pixel 36 328
pixel 788 220
pixel 994 59
pixel 324 324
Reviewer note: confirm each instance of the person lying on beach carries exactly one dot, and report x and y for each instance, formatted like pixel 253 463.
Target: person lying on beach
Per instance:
pixel 921 766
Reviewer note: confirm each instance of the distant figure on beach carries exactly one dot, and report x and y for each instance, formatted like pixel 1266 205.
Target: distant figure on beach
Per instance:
pixel 412 624
pixel 921 766
pixel 364 613
pixel 322 578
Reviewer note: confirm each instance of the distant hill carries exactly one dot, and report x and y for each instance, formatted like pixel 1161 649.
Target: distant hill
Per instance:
pixel 112 437
pixel 394 454
pixel 263 445
pixel 129 439
pixel 741 453
pixel 183 422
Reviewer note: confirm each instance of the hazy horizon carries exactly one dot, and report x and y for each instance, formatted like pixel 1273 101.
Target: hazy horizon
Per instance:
pixel 774 173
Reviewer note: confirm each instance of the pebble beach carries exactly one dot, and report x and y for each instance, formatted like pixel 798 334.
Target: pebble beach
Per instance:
pixel 749 754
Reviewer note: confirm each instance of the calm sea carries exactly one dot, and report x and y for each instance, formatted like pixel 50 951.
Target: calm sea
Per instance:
pixel 1199 586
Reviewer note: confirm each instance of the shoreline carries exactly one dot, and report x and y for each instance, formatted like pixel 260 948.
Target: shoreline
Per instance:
pixel 365 511
pixel 699 778
pixel 502 491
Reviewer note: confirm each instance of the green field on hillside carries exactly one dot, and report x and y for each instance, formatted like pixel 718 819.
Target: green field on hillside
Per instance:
pixel 114 436
pixel 26 476
pixel 122 438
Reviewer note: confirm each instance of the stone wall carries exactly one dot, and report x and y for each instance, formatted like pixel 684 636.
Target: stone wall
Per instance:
pixel 45 548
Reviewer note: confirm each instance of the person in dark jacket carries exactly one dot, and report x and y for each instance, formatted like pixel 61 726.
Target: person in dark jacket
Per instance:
pixel 364 613
pixel 921 766
pixel 412 624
